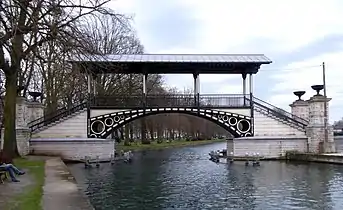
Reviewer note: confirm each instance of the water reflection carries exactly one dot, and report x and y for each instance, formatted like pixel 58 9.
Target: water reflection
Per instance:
pixel 186 179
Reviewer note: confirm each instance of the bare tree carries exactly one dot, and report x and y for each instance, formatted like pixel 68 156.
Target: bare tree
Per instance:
pixel 26 25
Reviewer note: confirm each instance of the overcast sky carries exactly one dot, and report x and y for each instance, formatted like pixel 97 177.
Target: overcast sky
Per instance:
pixel 297 35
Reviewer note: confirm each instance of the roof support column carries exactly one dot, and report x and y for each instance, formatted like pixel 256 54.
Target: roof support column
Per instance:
pixel 145 77
pixel 251 96
pixel 143 122
pixel 244 77
pixel 196 88
pixel 89 83
pixel 94 84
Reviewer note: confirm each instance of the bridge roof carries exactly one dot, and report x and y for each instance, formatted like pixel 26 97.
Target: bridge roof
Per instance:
pixel 172 63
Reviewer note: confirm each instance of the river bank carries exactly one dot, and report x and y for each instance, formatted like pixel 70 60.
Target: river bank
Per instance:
pixel 165 145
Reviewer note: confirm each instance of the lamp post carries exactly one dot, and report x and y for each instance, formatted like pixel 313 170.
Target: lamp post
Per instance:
pixel 325 108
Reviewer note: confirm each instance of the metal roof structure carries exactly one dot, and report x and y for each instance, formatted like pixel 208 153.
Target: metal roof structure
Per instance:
pixel 172 63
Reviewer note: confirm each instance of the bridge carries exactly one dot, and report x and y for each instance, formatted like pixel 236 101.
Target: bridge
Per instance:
pixel 239 114
pixel 256 125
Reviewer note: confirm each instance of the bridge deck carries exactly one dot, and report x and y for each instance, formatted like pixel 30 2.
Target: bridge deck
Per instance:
pixel 173 101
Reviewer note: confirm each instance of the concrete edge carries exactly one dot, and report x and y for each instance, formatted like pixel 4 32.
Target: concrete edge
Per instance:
pixel 70 140
pixel 80 190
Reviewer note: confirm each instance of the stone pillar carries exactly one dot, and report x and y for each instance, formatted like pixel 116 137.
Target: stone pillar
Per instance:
pixel 35 110
pixel 22 130
pixel 315 131
pixel 299 107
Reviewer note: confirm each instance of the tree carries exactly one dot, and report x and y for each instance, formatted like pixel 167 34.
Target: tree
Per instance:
pixel 24 26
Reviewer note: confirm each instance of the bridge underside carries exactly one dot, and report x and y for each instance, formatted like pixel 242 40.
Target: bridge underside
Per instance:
pixel 103 125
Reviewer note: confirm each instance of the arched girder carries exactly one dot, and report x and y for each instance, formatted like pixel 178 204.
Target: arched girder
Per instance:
pixel 102 126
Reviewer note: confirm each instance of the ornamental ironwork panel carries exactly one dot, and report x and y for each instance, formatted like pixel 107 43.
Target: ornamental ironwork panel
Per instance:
pixel 102 126
pixel 172 100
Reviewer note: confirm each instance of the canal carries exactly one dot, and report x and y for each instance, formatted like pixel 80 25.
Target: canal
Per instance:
pixel 184 178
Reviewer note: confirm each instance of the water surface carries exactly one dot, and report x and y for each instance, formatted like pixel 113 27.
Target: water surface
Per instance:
pixel 184 178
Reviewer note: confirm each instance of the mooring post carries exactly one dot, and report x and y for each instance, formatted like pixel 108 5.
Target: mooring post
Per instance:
pixel 112 159
pixel 246 159
pixel 97 161
pixel 231 157
pixel 87 163
pixel 257 159
pixel 254 159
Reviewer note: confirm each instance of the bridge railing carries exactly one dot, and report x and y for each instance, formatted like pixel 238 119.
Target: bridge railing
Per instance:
pixel 55 116
pixel 171 100
pixel 280 112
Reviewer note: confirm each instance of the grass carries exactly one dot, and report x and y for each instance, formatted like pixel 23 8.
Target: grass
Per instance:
pixel 31 196
pixel 164 145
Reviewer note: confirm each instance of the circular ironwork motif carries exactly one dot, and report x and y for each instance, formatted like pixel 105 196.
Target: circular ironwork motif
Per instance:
pixel 116 119
pixel 243 126
pixel 233 121
pixel 93 136
pixel 122 117
pixel 248 134
pixel 109 122
pixel 225 118
pixel 97 127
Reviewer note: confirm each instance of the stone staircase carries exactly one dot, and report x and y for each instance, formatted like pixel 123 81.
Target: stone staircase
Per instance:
pixel 279 115
pixel 57 117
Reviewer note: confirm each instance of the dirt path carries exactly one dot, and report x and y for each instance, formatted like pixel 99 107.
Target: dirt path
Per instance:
pixel 10 190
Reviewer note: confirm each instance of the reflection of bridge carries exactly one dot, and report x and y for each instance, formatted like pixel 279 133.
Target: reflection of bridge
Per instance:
pixel 243 115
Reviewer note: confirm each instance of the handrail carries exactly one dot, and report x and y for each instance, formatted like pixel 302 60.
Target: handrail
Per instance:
pixel 47 116
pixel 172 100
pixel 282 112
pixel 43 121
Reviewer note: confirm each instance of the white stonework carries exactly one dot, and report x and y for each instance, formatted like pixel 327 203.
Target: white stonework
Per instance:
pixel 300 108
pixel 267 126
pixel 269 146
pixel 73 127
pixel 73 148
pixel 21 113
pixel 23 137
pixel 35 110
pixel 316 130
pixel 22 130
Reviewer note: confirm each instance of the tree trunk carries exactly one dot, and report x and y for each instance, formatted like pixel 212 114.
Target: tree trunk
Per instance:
pixel 143 132
pixel 127 138
pixel 10 143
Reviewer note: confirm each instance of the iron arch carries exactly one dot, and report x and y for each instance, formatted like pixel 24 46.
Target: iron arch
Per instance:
pixel 102 126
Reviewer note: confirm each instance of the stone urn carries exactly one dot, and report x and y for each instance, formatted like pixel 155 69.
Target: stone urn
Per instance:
pixel 317 88
pixel 299 94
pixel 35 95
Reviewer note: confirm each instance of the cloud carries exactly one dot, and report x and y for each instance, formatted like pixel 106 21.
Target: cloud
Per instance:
pixel 303 74
pixel 294 34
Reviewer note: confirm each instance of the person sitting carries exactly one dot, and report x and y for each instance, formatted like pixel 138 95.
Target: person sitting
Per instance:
pixel 5 164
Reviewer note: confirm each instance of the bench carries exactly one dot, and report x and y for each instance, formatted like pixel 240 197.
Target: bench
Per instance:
pixel 3 175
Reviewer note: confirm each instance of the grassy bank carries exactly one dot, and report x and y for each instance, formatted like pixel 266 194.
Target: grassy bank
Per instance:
pixel 31 195
pixel 164 145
